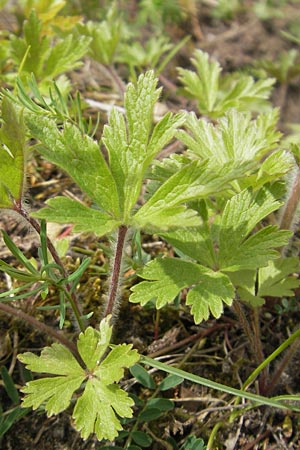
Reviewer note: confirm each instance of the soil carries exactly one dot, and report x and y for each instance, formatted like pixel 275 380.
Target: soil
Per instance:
pixel 217 350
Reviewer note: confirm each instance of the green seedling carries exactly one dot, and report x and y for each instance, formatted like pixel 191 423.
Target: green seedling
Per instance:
pixel 215 94
pixel 211 204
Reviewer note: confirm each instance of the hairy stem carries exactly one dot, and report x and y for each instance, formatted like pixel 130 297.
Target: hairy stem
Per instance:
pixel 287 217
pixel 116 272
pixel 259 355
pixel 72 297
pixel 244 322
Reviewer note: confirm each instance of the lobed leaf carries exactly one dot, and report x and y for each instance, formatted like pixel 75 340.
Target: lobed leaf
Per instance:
pixel 131 145
pixel 112 367
pixel 196 243
pixel 57 360
pixel 65 55
pixel 208 289
pixel 241 214
pixel 275 279
pixel 215 95
pixel 209 296
pixel 236 138
pixel 96 408
pixel 80 157
pixel 193 181
pixel 55 393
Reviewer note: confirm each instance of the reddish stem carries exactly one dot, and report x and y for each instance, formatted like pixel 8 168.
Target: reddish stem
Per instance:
pixel 116 272
pixel 39 325
pixel 18 207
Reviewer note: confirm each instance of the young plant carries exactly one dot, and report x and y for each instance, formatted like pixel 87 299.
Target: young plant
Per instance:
pixel 215 94
pixel 209 211
pixel 39 54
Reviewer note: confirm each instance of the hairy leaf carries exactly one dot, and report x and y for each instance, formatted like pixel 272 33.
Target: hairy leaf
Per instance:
pixel 130 143
pixel 12 151
pixel 216 95
pixel 193 181
pixel 96 408
pixel 238 250
pixel 80 157
pixel 236 138
pixel 209 289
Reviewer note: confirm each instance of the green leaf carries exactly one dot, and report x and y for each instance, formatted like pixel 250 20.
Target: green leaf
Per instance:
pixel 131 146
pixel 169 382
pixel 65 55
pixel 215 95
pixel 210 289
pixel 274 279
pixel 142 376
pixel 204 84
pixel 12 155
pixel 35 47
pixel 112 368
pixel 195 243
pixel 80 157
pixel 149 414
pixel 236 138
pixel 166 208
pixel 242 212
pixel 93 412
pixel 57 360
pixel 208 297
pixel 163 404
pixel 141 438
pixel 55 393
pixel 104 36
pixel 65 210
pixel 9 386
pixel 18 254
pixel 96 408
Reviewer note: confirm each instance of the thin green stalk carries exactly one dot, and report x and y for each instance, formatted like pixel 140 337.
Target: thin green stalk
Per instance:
pixel 112 304
pixel 244 322
pixel 213 435
pixel 270 358
pixel 256 399
pixel 72 297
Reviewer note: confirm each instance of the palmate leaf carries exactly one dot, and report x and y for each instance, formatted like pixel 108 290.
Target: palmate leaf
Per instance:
pixel 131 143
pixel 235 138
pixel 208 289
pixel 39 55
pixel 96 408
pixel 216 95
pixel 12 155
pixel 80 157
pixel 277 279
pixel 238 250
pixel 66 55
pixel 195 243
pixel 38 45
